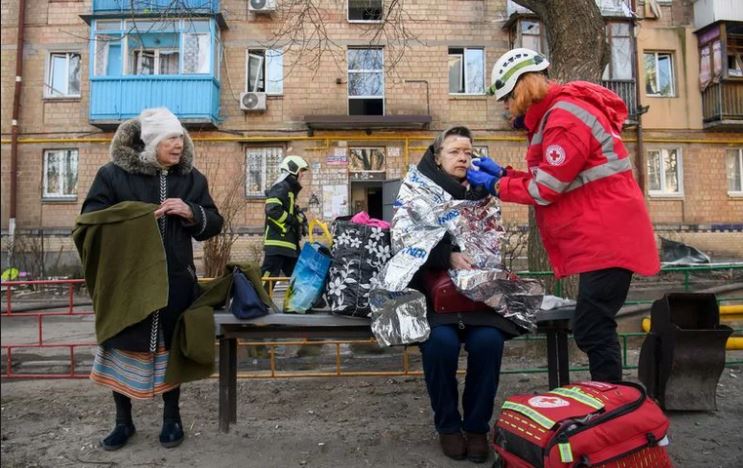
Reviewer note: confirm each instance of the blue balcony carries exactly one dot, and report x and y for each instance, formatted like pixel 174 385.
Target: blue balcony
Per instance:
pixel 169 62
pixel 155 6
pixel 194 99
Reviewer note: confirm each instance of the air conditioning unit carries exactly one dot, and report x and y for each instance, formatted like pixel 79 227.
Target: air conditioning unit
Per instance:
pixel 253 101
pixel 262 6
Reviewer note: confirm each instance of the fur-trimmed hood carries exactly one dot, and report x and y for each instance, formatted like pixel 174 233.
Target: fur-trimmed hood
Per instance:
pixel 127 146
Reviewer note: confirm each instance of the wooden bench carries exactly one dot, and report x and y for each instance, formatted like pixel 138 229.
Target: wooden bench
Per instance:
pixel 554 323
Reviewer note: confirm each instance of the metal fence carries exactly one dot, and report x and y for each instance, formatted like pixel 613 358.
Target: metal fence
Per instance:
pixel 69 301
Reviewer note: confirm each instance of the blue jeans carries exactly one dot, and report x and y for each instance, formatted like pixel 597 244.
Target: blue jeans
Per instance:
pixel 484 346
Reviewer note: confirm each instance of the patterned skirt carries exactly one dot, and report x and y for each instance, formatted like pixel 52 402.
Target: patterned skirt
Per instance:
pixel 139 375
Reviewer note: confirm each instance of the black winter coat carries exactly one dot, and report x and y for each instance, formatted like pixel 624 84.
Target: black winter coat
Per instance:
pixel 127 178
pixel 283 218
pixel 438 258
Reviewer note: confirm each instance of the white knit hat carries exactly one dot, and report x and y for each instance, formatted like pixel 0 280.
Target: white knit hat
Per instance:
pixel 157 124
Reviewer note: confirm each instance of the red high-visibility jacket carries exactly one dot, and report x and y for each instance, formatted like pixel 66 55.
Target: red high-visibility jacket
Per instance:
pixel 589 209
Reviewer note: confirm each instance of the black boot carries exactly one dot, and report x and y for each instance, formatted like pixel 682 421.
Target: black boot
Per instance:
pixel 171 434
pixel 124 428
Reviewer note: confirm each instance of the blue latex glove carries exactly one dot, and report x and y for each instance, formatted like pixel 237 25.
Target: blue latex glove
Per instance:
pixel 477 178
pixel 489 166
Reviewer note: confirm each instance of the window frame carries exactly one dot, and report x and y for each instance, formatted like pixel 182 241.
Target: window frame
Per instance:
pixel 264 150
pixel 733 49
pixel 58 196
pixel 48 89
pixel 363 21
pixel 516 35
pixel 663 193
pixel 365 70
pixel 138 53
pixel 463 70
pixel 609 73
pixel 264 69
pixel 739 192
pixel 672 74
pixel 120 31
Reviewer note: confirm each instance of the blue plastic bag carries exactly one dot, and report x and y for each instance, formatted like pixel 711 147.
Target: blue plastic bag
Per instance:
pixel 308 280
pixel 246 304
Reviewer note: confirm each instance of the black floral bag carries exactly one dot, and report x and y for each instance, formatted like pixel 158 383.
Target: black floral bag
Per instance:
pixel 359 252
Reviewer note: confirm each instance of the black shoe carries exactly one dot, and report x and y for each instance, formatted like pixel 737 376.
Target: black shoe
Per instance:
pixel 453 445
pixel 118 437
pixel 172 434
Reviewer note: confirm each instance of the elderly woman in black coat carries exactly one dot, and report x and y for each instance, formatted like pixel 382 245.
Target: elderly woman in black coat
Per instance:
pixel 152 161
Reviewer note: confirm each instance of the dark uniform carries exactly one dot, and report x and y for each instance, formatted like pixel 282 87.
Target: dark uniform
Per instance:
pixel 284 222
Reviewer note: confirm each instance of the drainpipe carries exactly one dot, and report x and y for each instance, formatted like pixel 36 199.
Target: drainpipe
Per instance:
pixel 14 128
pixel 638 106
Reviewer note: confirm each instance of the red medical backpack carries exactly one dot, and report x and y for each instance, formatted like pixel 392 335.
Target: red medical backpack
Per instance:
pixel 584 424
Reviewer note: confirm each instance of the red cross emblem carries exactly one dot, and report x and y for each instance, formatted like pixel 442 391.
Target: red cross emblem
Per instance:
pixel 542 401
pixel 555 155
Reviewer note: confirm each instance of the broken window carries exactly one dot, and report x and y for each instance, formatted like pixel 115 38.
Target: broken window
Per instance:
pixel 365 10
pixel 63 79
pixel 466 70
pixel 265 73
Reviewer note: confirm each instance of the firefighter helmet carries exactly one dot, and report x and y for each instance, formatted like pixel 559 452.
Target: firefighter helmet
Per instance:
pixel 293 164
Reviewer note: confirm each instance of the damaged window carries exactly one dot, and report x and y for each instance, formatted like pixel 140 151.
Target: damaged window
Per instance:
pixel 659 74
pixel 734 161
pixel 265 72
pixel 261 169
pixel 466 71
pixel 60 173
pixel 63 79
pixel 664 172
pixel 365 10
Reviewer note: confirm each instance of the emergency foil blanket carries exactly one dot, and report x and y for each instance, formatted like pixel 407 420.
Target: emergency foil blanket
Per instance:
pixel 424 213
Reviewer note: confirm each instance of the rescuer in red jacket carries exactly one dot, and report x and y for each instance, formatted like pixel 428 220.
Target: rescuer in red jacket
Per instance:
pixel 589 209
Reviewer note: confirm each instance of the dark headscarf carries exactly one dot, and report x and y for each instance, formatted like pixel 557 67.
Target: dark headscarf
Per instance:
pixel 430 169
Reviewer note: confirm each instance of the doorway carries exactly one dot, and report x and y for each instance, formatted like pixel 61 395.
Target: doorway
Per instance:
pixel 367 196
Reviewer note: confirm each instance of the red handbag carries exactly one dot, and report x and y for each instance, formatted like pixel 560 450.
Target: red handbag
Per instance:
pixel 445 297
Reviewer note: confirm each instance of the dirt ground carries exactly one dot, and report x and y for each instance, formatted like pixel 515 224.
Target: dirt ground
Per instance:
pixel 302 422
pixel 330 422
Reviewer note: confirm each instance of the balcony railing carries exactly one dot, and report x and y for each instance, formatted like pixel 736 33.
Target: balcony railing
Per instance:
pixel 194 99
pixel 722 104
pixel 626 90
pixel 156 6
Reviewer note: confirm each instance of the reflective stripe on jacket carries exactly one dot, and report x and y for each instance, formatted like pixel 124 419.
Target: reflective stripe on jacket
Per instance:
pixel 589 209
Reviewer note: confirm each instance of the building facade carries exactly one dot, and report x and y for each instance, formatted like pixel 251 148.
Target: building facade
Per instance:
pixel 251 90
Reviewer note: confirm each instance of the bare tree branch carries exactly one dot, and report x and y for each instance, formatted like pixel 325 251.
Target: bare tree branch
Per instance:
pixel 302 31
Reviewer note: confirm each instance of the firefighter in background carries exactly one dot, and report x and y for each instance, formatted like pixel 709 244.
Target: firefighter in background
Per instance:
pixel 590 211
pixel 285 221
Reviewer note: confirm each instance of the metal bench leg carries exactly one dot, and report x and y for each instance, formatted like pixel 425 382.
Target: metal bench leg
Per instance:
pixel 563 361
pixel 232 372
pixel 552 358
pixel 227 383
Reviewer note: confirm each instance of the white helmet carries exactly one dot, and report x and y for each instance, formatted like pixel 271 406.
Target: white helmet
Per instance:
pixel 293 164
pixel 509 68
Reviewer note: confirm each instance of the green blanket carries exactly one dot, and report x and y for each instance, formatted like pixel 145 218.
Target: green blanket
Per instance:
pixel 125 270
pixel 123 263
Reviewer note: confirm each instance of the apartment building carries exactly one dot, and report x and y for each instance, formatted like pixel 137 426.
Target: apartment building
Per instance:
pixel 250 89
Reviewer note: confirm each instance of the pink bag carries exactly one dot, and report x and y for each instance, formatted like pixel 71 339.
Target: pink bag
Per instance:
pixel 362 217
